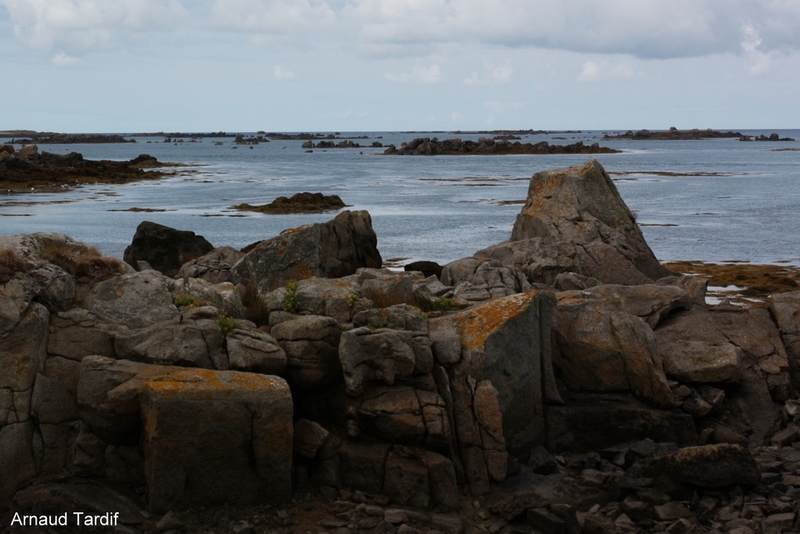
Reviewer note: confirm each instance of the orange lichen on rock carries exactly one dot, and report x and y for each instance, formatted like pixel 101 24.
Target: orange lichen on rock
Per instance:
pixel 479 323
pixel 211 382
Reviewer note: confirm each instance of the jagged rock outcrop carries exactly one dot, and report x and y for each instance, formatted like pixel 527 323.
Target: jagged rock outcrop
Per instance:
pixel 165 249
pixel 574 220
pixel 395 391
pixel 331 250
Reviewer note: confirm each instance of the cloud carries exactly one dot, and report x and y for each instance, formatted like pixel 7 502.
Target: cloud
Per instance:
pixel 652 29
pixel 281 74
pixel 419 74
pixel 594 71
pixel 751 44
pixel 63 60
pixel 78 26
pixel 500 107
pixel 496 75
pixel 271 17
pixel 456 116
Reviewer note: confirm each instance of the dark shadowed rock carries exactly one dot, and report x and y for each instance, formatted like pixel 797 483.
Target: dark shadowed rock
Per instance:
pixel 711 466
pixel 575 220
pixel 165 248
pixel 592 421
pixel 427 268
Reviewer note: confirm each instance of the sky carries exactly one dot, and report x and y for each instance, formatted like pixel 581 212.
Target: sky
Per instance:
pixel 377 65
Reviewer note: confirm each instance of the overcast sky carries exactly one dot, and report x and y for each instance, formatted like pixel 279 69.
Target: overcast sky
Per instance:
pixel 348 65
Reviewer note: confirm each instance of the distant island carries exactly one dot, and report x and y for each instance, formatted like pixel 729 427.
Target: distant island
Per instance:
pixel 673 134
pixel 424 146
pixel 52 138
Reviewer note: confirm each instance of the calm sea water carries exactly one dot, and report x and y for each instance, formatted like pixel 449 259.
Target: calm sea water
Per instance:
pixel 726 200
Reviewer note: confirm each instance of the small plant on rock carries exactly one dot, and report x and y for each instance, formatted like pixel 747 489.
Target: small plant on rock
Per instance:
pixel 443 304
pixel 290 298
pixel 227 324
pixel 190 302
pixel 351 300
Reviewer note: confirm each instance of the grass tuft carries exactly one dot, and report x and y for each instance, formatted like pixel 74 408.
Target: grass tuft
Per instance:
pixel 82 262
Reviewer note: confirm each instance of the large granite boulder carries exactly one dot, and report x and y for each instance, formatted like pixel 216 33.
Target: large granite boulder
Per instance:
pixel 575 220
pixel 311 345
pixel 208 437
pixel 382 355
pixel 212 437
pixel 194 339
pixel 134 300
pixel 731 345
pixel 602 348
pixel 165 249
pixel 505 341
pixel 331 250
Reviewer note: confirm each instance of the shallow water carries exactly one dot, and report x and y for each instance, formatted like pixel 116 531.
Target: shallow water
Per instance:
pixel 729 200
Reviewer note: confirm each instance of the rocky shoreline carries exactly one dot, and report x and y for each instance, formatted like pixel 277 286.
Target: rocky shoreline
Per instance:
pixel 562 381
pixel 27 170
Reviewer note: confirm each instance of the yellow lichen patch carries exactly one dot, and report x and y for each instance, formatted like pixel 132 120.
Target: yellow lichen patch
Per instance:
pixel 479 323
pixel 205 383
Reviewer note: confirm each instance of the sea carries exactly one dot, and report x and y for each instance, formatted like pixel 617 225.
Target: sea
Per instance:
pixel 714 200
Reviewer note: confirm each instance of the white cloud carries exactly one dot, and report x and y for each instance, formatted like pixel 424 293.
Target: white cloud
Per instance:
pixel 456 116
pixel 495 75
pixel 272 17
pixel 81 25
pixel 594 71
pixel 500 107
pixel 652 29
pixel 282 74
pixel 751 44
pixel 419 74
pixel 63 60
